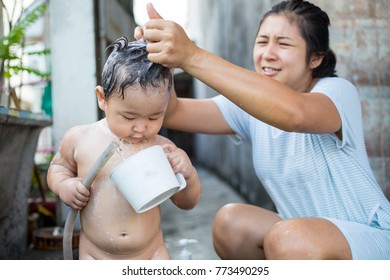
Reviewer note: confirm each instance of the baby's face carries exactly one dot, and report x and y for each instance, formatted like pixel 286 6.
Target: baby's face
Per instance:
pixel 139 116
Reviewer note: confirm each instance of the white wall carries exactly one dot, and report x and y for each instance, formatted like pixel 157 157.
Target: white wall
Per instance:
pixel 73 64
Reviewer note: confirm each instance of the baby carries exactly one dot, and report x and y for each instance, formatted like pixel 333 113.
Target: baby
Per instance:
pixel 134 97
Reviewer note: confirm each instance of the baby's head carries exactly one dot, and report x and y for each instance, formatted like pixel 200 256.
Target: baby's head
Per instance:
pixel 128 65
pixel 135 92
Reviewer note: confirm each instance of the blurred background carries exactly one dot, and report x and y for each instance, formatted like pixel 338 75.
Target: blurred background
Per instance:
pixel 52 54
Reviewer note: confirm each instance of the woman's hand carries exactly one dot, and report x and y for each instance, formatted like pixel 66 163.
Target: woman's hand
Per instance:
pixel 168 44
pixel 152 13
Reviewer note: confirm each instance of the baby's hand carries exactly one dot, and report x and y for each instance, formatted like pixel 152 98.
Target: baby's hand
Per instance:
pixel 74 194
pixel 179 160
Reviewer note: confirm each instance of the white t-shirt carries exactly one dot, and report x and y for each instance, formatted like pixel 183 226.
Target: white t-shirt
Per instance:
pixel 316 175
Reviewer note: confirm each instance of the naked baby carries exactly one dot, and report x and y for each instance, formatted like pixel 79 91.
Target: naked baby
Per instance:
pixel 134 97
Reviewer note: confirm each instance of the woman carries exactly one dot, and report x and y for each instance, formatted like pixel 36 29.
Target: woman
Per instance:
pixel 305 127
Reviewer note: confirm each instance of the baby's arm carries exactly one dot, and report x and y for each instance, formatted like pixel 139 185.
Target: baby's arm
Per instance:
pixel 180 162
pixel 62 174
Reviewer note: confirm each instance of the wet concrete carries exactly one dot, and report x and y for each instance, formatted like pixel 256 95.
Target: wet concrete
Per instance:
pixel 196 224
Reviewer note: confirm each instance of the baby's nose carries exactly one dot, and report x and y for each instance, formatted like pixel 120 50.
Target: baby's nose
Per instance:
pixel 139 127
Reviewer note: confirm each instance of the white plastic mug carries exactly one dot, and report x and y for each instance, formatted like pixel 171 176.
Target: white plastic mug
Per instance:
pixel 146 179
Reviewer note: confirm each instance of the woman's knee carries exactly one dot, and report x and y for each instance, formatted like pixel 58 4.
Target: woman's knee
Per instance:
pixel 239 230
pixel 306 238
pixel 224 221
pixel 287 240
pixel 225 229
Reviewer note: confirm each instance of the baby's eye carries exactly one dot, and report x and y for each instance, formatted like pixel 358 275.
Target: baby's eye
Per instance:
pixel 128 118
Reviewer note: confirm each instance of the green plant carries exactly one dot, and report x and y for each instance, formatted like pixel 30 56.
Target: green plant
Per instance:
pixel 12 46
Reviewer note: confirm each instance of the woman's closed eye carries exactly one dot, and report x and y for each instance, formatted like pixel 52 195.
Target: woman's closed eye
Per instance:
pixel 261 42
pixel 285 44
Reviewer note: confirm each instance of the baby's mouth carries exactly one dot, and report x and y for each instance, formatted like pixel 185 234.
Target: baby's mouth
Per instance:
pixel 135 140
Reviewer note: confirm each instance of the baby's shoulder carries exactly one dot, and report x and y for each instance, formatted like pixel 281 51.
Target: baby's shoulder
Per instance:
pixel 77 134
pixel 79 130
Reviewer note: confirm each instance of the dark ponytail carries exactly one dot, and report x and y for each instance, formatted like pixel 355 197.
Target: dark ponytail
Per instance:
pixel 327 67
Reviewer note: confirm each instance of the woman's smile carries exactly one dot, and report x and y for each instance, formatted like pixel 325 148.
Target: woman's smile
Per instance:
pixel 269 71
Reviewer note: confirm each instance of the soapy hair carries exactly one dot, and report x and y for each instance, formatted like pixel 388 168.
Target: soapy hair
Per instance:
pixel 128 65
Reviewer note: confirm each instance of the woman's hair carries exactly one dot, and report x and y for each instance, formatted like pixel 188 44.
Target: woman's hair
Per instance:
pixel 313 25
pixel 128 65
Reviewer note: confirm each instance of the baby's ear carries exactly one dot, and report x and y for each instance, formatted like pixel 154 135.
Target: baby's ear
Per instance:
pixel 101 99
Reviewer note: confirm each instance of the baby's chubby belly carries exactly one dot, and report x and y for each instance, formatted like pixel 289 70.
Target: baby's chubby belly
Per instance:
pixel 111 224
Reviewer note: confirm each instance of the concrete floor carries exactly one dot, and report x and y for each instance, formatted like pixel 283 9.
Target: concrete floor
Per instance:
pixel 180 224
pixel 196 224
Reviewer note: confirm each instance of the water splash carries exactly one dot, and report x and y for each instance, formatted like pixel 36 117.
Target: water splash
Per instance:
pixel 123 145
pixel 121 152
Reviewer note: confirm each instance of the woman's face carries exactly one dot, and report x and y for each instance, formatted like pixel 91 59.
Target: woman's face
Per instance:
pixel 280 53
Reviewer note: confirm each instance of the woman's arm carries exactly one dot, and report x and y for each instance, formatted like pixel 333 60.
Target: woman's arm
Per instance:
pixel 264 98
pixel 195 115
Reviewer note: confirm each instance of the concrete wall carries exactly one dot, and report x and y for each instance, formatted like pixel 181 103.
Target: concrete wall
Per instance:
pixel 78 43
pixel 360 37
pixel 72 45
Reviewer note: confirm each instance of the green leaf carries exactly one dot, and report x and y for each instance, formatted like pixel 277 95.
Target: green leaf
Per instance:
pixel 11 44
pixel 17 69
pixel 42 52
pixel 16 34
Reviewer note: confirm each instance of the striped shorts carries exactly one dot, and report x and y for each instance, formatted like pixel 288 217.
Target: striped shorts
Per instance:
pixel 366 243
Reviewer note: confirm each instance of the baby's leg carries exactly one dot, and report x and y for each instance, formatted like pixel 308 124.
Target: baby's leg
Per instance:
pixel 84 248
pixel 161 253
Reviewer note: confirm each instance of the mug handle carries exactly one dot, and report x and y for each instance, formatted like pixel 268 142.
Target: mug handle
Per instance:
pixel 182 181
pixel 180 178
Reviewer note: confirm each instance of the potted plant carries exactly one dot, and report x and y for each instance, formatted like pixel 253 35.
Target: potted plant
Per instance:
pixel 19 132
pixel 12 51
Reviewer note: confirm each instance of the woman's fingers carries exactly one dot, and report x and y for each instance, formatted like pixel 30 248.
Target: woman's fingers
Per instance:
pixel 152 13
pixel 138 33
